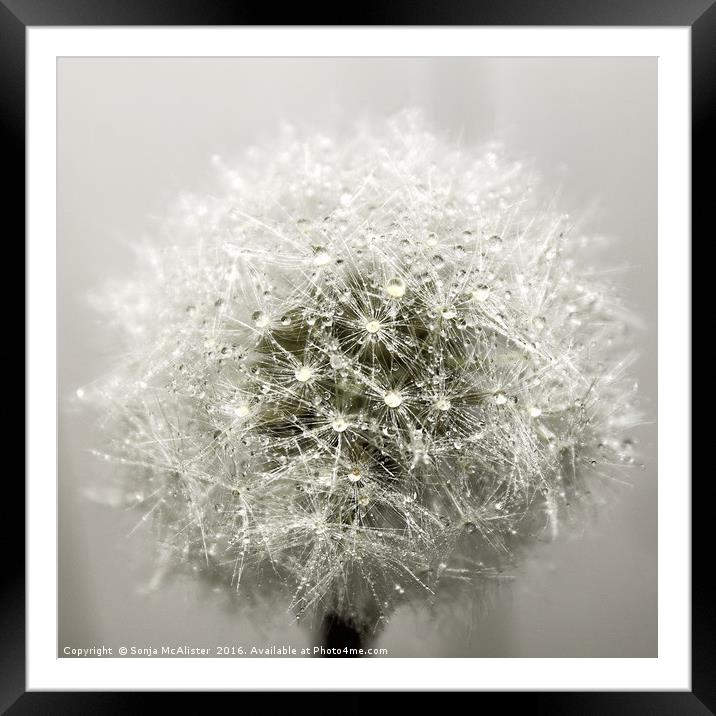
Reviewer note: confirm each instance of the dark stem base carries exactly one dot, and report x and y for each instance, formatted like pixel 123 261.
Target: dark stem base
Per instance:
pixel 340 637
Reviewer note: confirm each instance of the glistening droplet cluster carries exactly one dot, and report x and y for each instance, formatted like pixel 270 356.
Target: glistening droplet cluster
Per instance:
pixel 362 368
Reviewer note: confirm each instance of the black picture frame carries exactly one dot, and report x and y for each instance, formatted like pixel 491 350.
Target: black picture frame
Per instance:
pixel 700 15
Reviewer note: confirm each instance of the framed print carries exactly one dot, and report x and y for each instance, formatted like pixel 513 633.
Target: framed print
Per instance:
pixel 361 340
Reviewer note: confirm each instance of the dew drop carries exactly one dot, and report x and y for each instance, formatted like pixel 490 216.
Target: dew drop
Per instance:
pixel 372 326
pixel 500 398
pixel 494 243
pixel 393 398
pixel 443 404
pixel 480 293
pixel 339 424
pixel 260 319
pixel 303 374
pixel 242 410
pixel 321 257
pixel 395 288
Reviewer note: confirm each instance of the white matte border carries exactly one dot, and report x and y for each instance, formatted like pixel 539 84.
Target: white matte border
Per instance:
pixel 670 671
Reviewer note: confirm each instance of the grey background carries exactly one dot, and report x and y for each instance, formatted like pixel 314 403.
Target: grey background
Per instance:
pixel 132 133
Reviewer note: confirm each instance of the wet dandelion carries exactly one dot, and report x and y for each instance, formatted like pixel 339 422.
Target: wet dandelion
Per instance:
pixel 364 364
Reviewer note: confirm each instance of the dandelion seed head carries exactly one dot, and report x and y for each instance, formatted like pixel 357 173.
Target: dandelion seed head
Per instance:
pixel 368 361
